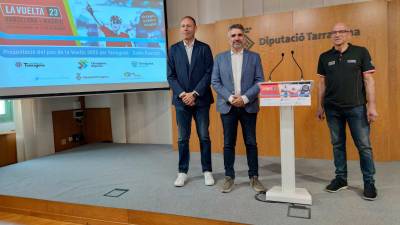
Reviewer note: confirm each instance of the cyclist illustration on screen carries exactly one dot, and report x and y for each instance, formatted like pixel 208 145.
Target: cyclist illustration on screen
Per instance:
pixel 115 25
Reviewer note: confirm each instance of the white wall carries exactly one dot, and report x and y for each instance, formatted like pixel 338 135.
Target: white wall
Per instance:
pixel 140 117
pixel 7 126
pixel 34 125
pixel 148 117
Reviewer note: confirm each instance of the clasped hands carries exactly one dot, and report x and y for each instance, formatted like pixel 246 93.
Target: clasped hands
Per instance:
pixel 188 98
pixel 237 101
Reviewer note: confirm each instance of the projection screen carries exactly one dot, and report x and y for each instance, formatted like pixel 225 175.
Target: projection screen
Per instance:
pixel 59 47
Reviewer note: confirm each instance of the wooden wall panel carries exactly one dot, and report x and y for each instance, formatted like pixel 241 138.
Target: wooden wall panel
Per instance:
pixel 394 79
pixel 64 126
pixel 8 148
pixel 312 136
pixel 97 125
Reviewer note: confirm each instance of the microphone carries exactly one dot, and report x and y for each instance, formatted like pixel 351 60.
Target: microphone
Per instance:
pixel 270 74
pixel 301 71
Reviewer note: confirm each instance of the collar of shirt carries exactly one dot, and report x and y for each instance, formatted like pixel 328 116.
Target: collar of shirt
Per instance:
pixel 189 45
pixel 238 53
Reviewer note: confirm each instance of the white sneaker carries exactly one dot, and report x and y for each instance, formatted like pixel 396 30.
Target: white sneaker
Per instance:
pixel 208 178
pixel 180 180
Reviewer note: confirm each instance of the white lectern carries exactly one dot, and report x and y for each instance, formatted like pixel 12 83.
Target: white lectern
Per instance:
pixel 286 95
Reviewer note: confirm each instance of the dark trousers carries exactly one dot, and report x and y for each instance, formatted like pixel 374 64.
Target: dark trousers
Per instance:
pixel 184 117
pixel 356 118
pixel 230 124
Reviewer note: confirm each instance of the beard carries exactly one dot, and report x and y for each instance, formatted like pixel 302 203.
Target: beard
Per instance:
pixel 237 44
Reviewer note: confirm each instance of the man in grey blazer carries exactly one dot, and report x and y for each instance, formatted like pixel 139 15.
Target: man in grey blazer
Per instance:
pixel 235 77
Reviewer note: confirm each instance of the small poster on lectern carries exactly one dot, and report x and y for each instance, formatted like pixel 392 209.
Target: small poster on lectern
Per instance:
pixel 286 93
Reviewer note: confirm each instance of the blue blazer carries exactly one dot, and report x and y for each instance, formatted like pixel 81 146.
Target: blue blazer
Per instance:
pixel 183 77
pixel 222 80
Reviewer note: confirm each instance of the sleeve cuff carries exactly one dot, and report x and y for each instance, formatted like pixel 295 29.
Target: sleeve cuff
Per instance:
pixel 197 94
pixel 369 71
pixel 181 94
pixel 230 99
pixel 245 99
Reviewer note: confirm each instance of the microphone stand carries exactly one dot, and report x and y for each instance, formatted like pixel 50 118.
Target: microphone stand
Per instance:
pixel 301 71
pixel 270 74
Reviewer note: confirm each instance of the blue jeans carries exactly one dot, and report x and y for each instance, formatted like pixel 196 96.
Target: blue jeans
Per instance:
pixel 356 118
pixel 184 117
pixel 230 123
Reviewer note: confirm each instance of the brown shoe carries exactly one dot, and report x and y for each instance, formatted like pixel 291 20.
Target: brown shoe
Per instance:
pixel 227 186
pixel 257 185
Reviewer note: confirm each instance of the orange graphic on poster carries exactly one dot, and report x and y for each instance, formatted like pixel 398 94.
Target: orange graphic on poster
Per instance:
pixel 270 90
pixel 34 17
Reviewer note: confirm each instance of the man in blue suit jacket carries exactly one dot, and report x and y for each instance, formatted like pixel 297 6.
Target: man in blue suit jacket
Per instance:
pixel 235 78
pixel 190 65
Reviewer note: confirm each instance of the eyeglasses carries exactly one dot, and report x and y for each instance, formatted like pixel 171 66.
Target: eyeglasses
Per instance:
pixel 339 32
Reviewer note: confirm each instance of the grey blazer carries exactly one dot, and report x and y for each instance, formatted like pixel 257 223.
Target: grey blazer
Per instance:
pixel 222 80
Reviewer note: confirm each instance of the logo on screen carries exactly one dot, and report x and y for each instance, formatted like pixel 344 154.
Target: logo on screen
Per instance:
pixel 29 65
pixel 141 64
pixel 97 64
pixel 131 74
pixel 23 10
pixel 83 63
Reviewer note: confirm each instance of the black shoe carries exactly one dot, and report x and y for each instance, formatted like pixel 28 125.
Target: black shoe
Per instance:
pixel 370 192
pixel 336 184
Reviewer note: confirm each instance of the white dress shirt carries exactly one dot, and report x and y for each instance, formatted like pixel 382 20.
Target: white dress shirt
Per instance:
pixel 237 64
pixel 189 50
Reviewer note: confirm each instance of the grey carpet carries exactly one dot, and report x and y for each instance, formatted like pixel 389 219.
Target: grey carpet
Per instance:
pixel 84 174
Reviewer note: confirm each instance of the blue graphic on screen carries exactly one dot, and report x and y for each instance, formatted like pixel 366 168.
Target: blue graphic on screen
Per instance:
pixel 80 42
